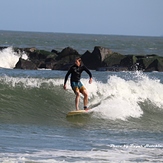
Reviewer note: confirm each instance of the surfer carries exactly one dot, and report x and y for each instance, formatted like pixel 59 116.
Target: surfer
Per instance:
pixel 76 84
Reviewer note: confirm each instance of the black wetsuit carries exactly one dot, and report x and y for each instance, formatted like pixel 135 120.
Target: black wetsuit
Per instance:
pixel 75 72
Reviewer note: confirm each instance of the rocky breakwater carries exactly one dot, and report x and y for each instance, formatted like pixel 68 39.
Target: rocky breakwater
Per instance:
pixel 100 59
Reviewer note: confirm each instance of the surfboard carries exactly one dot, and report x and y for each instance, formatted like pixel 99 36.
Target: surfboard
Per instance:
pixel 77 112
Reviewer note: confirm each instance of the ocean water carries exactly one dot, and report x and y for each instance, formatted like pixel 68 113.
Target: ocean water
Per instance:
pixel 124 125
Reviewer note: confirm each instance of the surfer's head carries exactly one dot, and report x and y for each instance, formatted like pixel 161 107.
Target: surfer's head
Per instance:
pixel 78 61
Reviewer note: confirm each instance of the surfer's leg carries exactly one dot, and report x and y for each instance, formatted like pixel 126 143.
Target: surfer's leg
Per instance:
pixel 75 88
pixel 77 99
pixel 85 100
pixel 85 94
pixel 80 89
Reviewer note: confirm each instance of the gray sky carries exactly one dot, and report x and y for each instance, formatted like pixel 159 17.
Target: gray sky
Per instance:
pixel 120 17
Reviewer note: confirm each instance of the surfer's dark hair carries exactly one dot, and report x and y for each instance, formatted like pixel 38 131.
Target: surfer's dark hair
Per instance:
pixel 80 60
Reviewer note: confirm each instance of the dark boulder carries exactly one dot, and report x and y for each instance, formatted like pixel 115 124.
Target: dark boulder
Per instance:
pixel 129 61
pixel 3 47
pixel 114 60
pixel 65 58
pixel 87 59
pixel 41 58
pixel 155 65
pixel 54 51
pixel 68 53
pixel 38 55
pixel 96 58
pixel 25 64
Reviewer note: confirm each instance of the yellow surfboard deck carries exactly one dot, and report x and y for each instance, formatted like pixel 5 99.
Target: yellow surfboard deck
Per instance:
pixel 77 112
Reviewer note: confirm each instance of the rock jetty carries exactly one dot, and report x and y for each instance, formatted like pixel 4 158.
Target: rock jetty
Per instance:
pixel 100 59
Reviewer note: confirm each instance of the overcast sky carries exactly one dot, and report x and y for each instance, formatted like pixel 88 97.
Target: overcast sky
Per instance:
pixel 119 17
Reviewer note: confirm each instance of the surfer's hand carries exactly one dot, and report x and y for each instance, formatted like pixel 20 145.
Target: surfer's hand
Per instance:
pixel 90 80
pixel 64 86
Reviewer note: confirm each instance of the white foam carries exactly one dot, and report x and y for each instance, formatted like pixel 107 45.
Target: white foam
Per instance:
pixel 112 153
pixel 28 82
pixel 9 58
pixel 120 98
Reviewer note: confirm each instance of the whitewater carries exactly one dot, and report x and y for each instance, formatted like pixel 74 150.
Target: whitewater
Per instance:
pixel 9 58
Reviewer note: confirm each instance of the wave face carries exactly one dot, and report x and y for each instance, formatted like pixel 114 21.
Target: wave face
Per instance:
pixel 30 99
pixel 133 97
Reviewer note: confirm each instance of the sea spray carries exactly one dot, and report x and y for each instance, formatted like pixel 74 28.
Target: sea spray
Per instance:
pixel 9 58
pixel 121 98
